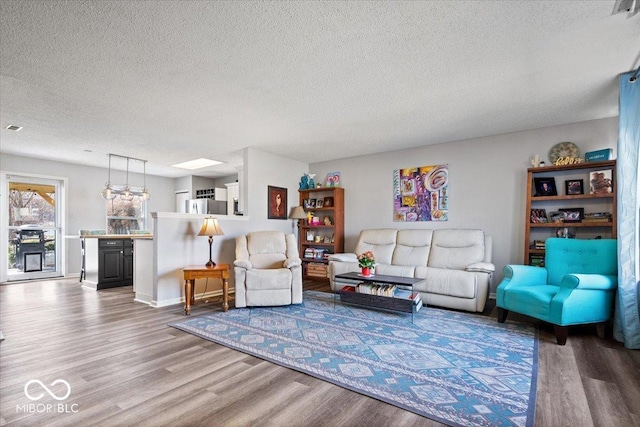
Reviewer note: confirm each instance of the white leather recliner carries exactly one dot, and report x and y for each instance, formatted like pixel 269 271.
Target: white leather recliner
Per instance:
pixel 268 269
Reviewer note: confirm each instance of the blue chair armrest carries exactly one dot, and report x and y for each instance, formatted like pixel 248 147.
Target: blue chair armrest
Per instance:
pixel 525 275
pixel 519 276
pixel 600 282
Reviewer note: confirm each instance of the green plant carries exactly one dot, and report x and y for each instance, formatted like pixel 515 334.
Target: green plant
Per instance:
pixel 366 259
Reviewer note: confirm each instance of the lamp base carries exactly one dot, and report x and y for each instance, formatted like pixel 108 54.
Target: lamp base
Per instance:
pixel 210 264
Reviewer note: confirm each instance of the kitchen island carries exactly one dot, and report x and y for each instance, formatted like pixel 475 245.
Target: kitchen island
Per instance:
pixel 111 260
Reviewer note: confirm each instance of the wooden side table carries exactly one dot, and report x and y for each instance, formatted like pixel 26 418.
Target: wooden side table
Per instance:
pixel 193 272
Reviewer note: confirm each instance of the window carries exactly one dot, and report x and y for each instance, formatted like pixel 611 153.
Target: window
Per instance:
pixel 125 216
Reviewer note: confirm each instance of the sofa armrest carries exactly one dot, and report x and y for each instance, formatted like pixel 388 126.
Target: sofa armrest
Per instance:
pixel 481 267
pixel 291 262
pixel 350 257
pixel 598 282
pixel 243 263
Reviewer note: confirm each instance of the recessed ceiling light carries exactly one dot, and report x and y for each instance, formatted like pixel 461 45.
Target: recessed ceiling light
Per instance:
pixel 197 164
pixel 14 127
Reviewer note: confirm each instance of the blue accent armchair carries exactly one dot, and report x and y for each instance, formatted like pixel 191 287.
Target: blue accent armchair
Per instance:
pixel 576 286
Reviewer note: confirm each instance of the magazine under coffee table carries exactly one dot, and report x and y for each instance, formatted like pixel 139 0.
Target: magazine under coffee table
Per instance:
pixel 394 303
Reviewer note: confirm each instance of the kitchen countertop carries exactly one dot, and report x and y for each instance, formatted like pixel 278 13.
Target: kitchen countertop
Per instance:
pixel 116 236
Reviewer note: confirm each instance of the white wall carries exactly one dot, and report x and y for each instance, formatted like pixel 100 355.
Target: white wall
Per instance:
pixel 486 182
pixel 86 209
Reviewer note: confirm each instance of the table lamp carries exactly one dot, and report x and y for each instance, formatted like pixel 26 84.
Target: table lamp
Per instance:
pixel 210 228
pixel 297 213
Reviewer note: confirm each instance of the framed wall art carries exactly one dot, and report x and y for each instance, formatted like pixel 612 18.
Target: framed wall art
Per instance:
pixel 277 202
pixel 421 194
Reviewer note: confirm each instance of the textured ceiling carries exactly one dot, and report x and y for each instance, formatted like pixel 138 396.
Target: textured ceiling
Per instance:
pixel 173 81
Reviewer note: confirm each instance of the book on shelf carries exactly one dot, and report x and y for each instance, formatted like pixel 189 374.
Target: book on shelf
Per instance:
pixel 537 244
pixel 348 289
pixel 406 294
pixel 536 260
pixel 597 217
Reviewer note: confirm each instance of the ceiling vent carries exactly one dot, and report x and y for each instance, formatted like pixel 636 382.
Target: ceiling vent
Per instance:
pixel 623 6
pixel 14 127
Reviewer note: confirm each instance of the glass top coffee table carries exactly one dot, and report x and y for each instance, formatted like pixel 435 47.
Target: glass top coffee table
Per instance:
pixel 403 300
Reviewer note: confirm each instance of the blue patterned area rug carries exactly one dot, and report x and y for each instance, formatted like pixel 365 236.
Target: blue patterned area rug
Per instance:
pixel 460 369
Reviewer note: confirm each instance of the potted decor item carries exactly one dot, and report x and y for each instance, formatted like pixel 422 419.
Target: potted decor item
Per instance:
pixel 366 261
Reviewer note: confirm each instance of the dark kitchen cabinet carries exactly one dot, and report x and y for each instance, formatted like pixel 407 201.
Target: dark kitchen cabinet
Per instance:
pixel 115 263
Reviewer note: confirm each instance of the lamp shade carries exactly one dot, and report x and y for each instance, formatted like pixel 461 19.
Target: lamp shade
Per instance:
pixel 210 227
pixel 297 213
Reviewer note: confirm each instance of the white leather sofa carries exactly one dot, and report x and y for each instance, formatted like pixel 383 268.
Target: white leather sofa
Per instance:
pixel 268 269
pixel 455 263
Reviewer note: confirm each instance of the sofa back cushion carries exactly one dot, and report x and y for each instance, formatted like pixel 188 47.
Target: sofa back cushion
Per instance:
pixel 267 249
pixel 412 247
pixel 456 249
pixel 381 242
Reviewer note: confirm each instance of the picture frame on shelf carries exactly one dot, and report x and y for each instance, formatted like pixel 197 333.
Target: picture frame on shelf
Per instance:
pixel 310 235
pixel 328 202
pixel 327 239
pixel 538 216
pixel 309 203
pixel 601 182
pixel 319 203
pixel 556 217
pixel 573 214
pixel 277 202
pixel 333 179
pixel 319 239
pixel 573 187
pixel 545 186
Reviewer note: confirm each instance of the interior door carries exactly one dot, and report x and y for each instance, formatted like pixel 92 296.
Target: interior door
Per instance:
pixel 33 228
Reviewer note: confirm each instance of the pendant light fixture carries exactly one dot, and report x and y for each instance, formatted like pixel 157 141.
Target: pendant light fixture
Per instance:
pixel 145 193
pixel 126 192
pixel 108 192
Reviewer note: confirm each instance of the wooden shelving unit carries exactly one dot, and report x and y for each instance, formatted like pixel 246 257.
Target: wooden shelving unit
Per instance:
pixel 332 236
pixel 589 202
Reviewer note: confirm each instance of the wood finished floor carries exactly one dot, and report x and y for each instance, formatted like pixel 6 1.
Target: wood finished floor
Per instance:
pixel 126 367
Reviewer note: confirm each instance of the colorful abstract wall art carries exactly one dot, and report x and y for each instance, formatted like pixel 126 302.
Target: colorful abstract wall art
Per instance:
pixel 421 194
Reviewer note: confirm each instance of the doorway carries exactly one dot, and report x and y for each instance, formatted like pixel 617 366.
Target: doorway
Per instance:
pixel 33 227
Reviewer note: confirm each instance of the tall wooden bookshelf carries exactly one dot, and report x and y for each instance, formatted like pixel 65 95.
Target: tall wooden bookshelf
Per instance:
pixel 590 203
pixel 317 240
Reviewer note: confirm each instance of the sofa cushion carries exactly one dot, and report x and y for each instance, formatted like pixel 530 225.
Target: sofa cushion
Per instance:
pixel 381 242
pixel 268 280
pixel 412 247
pixel 456 249
pixel 455 283
pixel 395 270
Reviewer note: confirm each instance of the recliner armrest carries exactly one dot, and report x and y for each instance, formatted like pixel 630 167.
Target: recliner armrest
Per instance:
pixel 346 257
pixel 481 267
pixel 243 263
pixel 291 262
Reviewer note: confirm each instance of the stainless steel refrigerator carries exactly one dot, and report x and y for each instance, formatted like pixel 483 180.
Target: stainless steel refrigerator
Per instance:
pixel 206 206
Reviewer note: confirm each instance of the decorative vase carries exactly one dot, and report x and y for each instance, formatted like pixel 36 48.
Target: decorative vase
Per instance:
pixel 366 271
